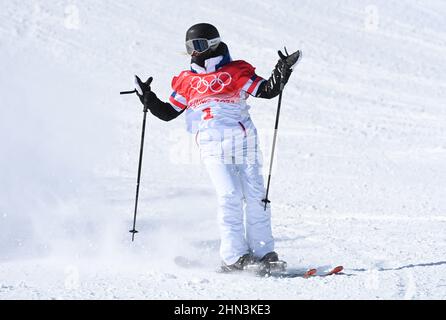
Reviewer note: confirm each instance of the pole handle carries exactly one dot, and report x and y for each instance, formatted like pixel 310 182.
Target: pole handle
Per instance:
pixel 128 92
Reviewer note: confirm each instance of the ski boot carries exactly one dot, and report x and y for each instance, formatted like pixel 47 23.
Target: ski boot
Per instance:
pixel 240 265
pixel 270 263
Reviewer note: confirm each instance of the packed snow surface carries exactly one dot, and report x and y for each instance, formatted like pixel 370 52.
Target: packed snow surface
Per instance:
pixel 360 177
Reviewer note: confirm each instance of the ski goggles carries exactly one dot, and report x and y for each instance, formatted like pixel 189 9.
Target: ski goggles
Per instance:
pixel 198 46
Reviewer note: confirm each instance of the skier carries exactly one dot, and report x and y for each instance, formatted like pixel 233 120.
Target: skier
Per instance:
pixel 213 95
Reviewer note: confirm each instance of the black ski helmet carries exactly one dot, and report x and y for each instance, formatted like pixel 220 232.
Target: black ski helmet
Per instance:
pixel 202 38
pixel 202 31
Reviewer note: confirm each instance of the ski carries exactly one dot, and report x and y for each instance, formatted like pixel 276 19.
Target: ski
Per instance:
pixel 278 270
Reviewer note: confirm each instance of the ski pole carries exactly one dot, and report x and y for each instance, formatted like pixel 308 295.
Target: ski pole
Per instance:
pixel 141 152
pixel 276 130
pixel 276 127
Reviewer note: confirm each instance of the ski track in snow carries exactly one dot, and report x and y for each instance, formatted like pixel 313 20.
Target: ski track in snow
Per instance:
pixel 360 173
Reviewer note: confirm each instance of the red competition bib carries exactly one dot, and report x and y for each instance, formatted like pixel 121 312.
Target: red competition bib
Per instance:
pixel 225 83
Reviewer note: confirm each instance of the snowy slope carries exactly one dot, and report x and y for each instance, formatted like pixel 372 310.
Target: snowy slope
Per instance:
pixel 360 175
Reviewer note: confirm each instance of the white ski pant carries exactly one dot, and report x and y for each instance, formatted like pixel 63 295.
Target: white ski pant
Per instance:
pixel 245 226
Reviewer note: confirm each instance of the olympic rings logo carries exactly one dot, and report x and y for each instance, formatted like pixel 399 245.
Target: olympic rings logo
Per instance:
pixel 213 83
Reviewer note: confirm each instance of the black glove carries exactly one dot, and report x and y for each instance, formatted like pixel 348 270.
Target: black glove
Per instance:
pixel 163 110
pixel 144 91
pixel 280 75
pixel 287 63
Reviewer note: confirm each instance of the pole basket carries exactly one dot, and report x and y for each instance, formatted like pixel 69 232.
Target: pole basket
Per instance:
pixel 133 232
pixel 266 202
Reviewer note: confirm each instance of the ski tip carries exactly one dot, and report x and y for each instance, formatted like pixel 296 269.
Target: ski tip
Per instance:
pixel 310 273
pixel 336 270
